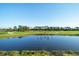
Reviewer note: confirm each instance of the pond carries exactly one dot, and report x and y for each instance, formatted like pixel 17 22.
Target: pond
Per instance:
pixel 41 42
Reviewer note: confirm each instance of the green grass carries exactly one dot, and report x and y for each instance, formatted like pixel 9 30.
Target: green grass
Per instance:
pixel 48 32
pixel 17 34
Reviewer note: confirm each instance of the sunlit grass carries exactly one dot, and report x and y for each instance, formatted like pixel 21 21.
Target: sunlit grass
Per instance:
pixel 26 33
pixel 39 53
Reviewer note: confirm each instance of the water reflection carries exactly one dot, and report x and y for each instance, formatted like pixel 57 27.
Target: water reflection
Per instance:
pixel 39 42
pixel 43 37
pixel 20 36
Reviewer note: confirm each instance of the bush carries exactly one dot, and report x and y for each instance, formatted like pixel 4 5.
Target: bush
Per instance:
pixel 2 53
pixel 12 53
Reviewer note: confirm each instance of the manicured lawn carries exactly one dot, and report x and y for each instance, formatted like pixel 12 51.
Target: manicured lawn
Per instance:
pixel 16 34
pixel 49 32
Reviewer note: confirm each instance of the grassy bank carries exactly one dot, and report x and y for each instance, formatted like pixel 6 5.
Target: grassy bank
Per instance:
pixel 39 53
pixel 17 34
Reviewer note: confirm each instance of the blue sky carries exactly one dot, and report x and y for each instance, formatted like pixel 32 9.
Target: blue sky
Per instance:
pixel 39 14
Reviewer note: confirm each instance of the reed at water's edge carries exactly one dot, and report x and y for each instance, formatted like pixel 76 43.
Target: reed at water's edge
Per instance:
pixel 39 53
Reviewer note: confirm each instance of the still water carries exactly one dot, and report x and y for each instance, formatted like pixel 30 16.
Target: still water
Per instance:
pixel 41 42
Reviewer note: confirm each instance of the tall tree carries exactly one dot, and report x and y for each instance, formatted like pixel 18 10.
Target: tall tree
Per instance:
pixel 15 28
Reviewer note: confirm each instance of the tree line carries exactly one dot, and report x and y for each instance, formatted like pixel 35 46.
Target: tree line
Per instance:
pixel 39 28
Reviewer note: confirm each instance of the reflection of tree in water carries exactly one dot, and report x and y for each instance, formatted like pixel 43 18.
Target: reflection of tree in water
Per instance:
pixel 20 36
pixel 43 37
